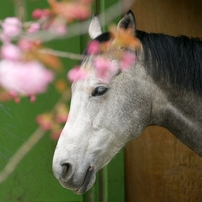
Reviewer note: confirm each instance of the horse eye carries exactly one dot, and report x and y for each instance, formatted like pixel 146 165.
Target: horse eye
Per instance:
pixel 100 90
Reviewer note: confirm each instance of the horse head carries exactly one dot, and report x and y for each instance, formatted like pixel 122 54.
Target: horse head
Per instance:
pixel 105 113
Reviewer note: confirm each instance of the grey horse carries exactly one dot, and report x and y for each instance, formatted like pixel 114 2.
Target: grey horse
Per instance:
pixel 163 87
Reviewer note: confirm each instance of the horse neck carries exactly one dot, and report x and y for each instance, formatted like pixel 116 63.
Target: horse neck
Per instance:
pixel 176 85
pixel 179 112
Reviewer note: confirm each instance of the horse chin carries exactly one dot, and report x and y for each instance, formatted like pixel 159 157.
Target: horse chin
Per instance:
pixel 86 184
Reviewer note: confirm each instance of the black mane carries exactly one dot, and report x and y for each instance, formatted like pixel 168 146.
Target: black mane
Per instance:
pixel 176 60
pixel 104 37
pixel 173 60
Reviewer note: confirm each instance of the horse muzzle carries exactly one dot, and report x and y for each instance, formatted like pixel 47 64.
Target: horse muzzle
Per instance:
pixel 78 182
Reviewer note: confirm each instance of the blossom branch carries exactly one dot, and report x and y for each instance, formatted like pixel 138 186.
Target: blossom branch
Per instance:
pixel 62 54
pixel 82 27
pixel 20 154
pixel 29 144
pixel 20 11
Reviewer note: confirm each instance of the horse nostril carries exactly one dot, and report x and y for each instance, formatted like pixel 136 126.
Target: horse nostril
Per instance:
pixel 65 170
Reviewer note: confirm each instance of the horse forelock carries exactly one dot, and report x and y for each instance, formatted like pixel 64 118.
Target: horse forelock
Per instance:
pixel 104 37
pixel 173 60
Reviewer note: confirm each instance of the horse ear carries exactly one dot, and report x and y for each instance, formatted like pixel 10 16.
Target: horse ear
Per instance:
pixel 128 21
pixel 95 28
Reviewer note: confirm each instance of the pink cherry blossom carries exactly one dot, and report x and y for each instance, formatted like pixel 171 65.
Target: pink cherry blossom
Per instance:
pixel 32 98
pixel 34 27
pixel 36 14
pixel 26 78
pixel 4 38
pixel 25 44
pixel 56 134
pixel 93 47
pixel 15 96
pixel 61 118
pixel 46 13
pixel 59 29
pixel 76 74
pixel 127 60
pixel 86 1
pixel 82 12
pixel 45 121
pixel 41 13
pixel 70 10
pixel 57 25
pixel 103 68
pixel 61 113
pixel 11 26
pixel 10 51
